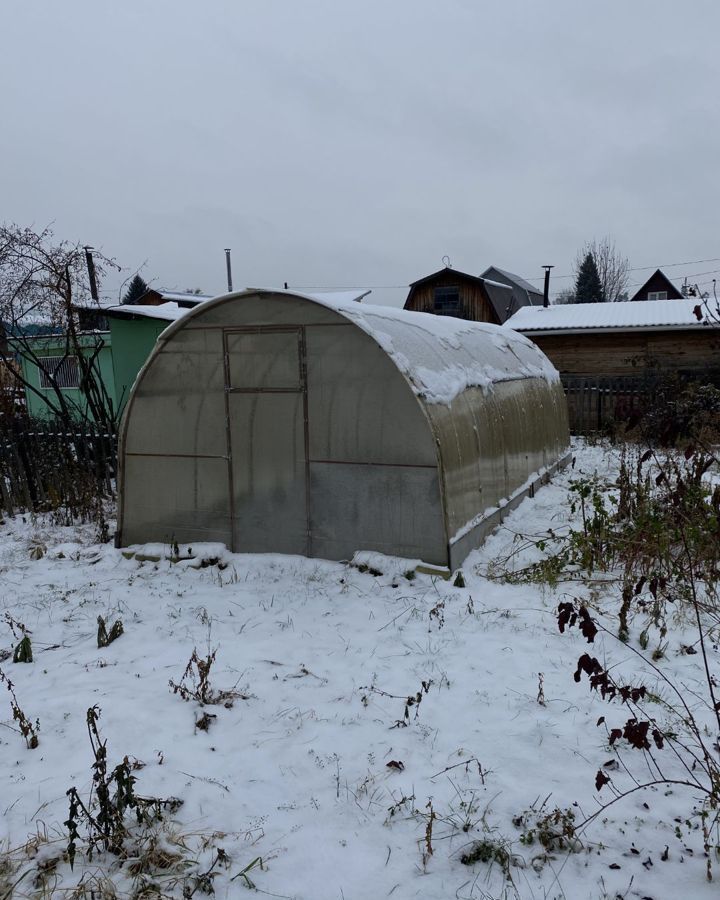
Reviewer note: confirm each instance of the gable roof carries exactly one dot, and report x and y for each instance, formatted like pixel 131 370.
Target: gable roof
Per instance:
pixel 658 273
pixel 516 279
pixel 441 272
pixel 574 317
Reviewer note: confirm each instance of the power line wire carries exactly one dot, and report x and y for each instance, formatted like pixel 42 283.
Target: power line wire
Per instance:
pixel 531 278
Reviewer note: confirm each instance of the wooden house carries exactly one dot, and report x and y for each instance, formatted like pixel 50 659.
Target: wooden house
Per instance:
pixel 449 292
pixel 596 339
pixel 611 355
pixel 658 287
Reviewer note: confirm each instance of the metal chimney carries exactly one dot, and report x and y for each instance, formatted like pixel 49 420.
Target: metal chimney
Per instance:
pixel 92 277
pixel 228 266
pixel 546 289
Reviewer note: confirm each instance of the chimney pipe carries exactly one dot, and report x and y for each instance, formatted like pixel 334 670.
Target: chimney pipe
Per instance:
pixel 92 277
pixel 546 289
pixel 228 266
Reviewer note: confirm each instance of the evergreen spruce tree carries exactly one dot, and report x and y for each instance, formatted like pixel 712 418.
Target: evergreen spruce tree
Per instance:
pixel 136 289
pixel 588 287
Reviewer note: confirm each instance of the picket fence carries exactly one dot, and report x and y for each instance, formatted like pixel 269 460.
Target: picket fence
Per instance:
pixel 45 465
pixel 596 404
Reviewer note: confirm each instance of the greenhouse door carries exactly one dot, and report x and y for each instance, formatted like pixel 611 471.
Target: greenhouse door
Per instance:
pixel 266 392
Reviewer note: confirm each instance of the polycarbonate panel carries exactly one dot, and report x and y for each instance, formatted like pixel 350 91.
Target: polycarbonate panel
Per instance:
pixel 175 498
pixel 263 309
pixel 491 442
pixel 360 406
pixel 264 359
pixel 267 436
pixel 178 406
pixel 392 509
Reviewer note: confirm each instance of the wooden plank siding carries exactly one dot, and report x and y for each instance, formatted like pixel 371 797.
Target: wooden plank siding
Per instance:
pixel 632 352
pixel 474 302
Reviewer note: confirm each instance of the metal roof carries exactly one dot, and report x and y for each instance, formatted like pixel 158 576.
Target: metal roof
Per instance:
pixel 168 311
pixel 619 316
pixel 516 279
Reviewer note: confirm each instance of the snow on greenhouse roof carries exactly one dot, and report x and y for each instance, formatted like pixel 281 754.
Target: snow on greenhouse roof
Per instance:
pixel 442 356
pixel 600 316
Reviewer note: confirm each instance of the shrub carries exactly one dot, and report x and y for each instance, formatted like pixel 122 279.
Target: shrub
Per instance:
pixel 112 797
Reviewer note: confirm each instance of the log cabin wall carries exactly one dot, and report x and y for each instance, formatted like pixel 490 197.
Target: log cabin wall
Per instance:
pixel 632 352
pixel 474 303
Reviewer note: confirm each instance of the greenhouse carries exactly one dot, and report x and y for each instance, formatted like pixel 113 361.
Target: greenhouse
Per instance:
pixel 278 422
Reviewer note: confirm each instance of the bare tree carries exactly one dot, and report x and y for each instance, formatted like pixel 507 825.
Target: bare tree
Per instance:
pixel 41 282
pixel 566 295
pixel 613 268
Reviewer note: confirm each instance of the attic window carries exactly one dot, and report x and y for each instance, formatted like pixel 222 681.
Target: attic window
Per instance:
pixel 59 370
pixel 657 295
pixel 447 300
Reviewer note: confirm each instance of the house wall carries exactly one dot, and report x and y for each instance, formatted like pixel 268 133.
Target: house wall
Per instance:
pixel 474 302
pixel 55 346
pixel 632 352
pixel 132 341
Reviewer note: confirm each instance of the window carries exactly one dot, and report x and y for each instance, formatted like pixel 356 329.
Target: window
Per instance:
pixel 447 301
pixel 657 295
pixel 63 370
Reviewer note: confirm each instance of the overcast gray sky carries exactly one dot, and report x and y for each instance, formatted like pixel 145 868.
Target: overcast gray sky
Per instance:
pixel 333 143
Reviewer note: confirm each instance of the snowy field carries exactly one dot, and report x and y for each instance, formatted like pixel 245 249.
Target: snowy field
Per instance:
pixel 315 767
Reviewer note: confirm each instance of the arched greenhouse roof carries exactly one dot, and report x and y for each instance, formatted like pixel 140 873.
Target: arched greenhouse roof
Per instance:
pixel 312 423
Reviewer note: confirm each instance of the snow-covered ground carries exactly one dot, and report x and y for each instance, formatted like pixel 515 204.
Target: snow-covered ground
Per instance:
pixel 298 772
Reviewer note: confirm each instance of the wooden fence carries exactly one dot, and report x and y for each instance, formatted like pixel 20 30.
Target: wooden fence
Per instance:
pixel 44 466
pixel 596 403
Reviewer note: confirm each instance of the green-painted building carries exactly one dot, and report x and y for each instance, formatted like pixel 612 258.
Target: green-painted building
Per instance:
pixel 128 335
pixel 133 338
pixel 54 360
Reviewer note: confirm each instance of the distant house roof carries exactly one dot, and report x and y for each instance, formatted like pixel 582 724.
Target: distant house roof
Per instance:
pixel 658 281
pixel 578 317
pixel 516 279
pixel 168 311
pixel 156 296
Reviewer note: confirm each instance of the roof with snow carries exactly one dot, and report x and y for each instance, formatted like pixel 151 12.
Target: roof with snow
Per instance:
pixel 168 311
pixel 171 310
pixel 649 314
pixel 154 296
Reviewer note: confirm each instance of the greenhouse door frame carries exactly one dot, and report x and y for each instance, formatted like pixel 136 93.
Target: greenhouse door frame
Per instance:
pixel 301 389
